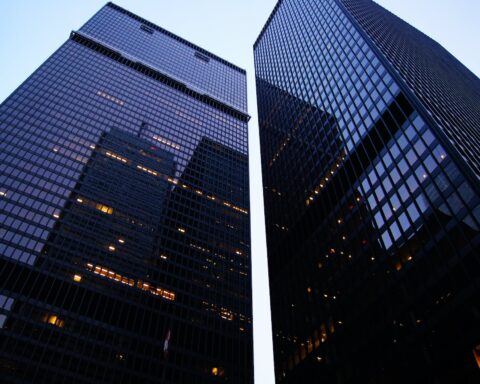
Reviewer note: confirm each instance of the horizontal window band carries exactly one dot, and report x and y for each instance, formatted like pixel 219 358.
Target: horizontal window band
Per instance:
pixel 173 36
pixel 138 66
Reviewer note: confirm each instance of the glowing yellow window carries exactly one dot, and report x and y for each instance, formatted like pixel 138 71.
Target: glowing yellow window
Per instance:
pixel 77 278
pixel 54 320
pixel 104 208
pixel 217 371
pixel 323 333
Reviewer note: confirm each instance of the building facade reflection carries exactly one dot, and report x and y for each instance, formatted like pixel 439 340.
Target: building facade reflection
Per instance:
pixel 122 161
pixel 207 241
pixel 372 216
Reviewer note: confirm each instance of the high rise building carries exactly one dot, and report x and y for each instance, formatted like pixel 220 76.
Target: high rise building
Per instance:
pixel 124 213
pixel 370 137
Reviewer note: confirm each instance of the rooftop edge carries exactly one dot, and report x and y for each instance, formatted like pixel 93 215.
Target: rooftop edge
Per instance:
pixel 176 37
pixel 168 79
pixel 267 23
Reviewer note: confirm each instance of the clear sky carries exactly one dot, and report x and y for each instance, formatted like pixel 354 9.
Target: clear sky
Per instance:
pixel 31 30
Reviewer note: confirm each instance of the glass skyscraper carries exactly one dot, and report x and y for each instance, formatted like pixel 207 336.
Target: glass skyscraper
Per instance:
pixel 124 213
pixel 370 140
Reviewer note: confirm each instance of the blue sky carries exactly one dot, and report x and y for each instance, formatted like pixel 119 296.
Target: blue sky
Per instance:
pixel 30 31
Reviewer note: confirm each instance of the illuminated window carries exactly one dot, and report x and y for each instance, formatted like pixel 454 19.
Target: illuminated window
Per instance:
pixel 144 169
pixel 120 356
pixel 110 97
pixel 226 314
pixel 168 295
pixel 104 208
pixel 323 333
pixel 216 371
pixel 111 248
pixel 77 278
pixel 240 209
pixel 166 142
pixel 331 326
pixel 181 230
pixel 213 198
pixel 144 286
pixel 116 157
pixel 53 320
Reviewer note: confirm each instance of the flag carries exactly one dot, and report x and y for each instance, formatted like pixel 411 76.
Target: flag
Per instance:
pixel 166 343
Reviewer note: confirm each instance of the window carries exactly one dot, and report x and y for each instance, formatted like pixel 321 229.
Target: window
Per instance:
pixel 202 57
pixel 53 320
pixel 104 208
pixel 216 371
pixel 144 28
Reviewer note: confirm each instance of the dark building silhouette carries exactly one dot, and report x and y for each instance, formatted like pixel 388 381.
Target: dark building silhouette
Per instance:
pixel 125 237
pixel 369 142
pixel 208 241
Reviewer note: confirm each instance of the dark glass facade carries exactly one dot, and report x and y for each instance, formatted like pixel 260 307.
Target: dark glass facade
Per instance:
pixel 372 210
pixel 124 213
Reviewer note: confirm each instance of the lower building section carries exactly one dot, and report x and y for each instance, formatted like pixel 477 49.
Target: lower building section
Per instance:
pixel 373 250
pixel 129 287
